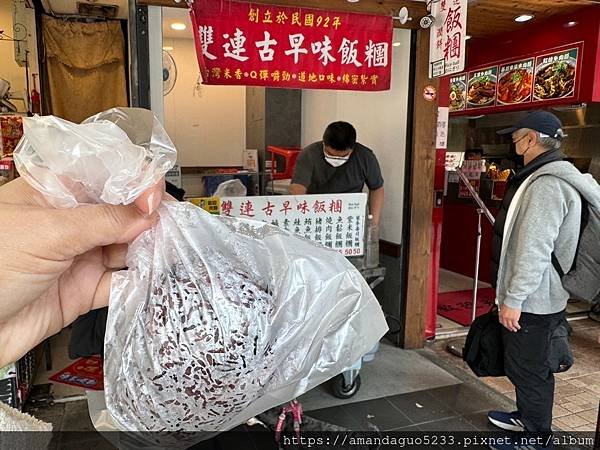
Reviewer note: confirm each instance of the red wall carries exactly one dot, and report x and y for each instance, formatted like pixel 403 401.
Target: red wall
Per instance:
pixel 458 240
pixel 536 37
pixel 436 225
pixel 539 37
pixel 460 220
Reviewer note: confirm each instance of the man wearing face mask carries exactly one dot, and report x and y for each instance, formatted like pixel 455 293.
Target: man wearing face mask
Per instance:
pixel 339 164
pixel 536 231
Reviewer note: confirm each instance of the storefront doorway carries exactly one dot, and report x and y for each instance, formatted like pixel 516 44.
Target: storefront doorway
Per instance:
pixel 488 159
pixel 212 126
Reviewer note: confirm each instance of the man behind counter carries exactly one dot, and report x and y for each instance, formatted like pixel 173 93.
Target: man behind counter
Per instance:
pixel 339 164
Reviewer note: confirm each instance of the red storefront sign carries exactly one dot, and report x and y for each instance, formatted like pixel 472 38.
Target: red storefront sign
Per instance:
pixel 254 44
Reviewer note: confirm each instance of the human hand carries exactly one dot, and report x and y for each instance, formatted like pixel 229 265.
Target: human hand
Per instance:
pixel 509 318
pixel 57 263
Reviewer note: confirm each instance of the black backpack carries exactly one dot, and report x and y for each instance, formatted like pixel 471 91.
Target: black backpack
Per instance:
pixel 561 355
pixel 483 350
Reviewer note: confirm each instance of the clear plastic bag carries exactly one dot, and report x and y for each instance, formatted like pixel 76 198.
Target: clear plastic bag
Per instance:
pixel 111 157
pixel 219 319
pixel 231 188
pixel 216 319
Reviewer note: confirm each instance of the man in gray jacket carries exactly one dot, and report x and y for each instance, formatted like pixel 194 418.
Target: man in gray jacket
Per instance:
pixel 539 221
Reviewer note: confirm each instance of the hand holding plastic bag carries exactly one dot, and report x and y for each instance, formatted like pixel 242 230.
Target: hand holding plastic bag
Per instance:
pixel 217 319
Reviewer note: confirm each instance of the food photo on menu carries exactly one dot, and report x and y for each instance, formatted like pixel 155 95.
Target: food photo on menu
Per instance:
pixel 482 89
pixel 555 76
pixel 515 83
pixel 457 93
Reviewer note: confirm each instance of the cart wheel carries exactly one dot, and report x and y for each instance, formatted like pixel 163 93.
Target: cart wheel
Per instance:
pixel 594 313
pixel 340 390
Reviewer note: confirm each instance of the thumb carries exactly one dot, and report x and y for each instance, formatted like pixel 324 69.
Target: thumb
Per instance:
pixel 79 230
pixel 150 199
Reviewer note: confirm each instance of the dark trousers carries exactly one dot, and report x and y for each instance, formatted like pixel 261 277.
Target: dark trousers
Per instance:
pixel 526 363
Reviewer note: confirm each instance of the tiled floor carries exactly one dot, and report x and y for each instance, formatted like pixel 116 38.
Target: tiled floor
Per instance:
pixel 459 407
pixel 577 392
pixel 451 281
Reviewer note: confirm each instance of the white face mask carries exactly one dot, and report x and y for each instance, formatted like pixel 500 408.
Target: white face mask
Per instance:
pixel 336 161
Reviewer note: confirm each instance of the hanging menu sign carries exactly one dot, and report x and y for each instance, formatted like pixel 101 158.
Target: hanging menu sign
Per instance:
pixel 555 75
pixel 481 90
pixel 334 220
pixel 548 76
pixel 515 82
pixel 458 92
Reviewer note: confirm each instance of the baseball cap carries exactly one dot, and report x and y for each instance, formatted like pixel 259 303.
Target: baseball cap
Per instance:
pixel 544 122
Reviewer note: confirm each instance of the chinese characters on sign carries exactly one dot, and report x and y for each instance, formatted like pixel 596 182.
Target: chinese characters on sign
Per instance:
pixel 173 176
pixel 208 204
pixel 472 170
pixel 442 128
pixel 448 37
pixel 334 220
pixel 267 45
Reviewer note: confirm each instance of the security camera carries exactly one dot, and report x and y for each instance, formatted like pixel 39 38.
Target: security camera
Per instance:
pixel 427 21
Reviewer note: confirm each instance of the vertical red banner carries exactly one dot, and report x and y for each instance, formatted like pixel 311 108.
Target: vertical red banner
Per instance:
pixel 254 44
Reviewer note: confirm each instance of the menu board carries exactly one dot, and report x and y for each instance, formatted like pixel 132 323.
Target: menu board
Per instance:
pixel 515 82
pixel 336 221
pixel 542 76
pixel 555 75
pixel 458 92
pixel 481 89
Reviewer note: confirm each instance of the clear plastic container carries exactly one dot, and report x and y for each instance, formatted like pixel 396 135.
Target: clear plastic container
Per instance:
pixel 372 250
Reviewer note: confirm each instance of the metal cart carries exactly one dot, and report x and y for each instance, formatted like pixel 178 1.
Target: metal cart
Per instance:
pixel 347 383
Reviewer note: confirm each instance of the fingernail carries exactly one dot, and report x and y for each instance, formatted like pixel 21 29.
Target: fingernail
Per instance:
pixel 154 202
pixel 150 202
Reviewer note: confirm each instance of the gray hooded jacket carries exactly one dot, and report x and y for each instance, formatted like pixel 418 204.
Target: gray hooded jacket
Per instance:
pixel 544 217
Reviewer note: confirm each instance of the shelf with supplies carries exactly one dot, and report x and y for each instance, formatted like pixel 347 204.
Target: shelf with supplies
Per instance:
pixel 11 131
pixel 16 380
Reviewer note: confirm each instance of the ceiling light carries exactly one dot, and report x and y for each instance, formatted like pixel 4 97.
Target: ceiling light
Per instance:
pixel 570 24
pixel 178 26
pixel 524 18
pixel 396 44
pixel 353 1
pixel 167 48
